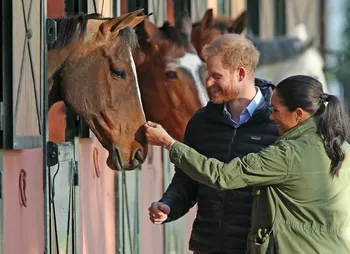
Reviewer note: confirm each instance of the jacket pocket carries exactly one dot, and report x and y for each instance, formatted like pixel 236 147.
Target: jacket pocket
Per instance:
pixel 259 242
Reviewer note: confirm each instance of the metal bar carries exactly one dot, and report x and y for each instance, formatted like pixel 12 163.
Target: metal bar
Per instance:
pixel 30 10
pixel 7 70
pixel 1 116
pixel 24 17
pixel 1 197
pixel 44 108
pixel 125 197
pixel 118 212
pixel 138 215
pixel 323 31
pixel 116 8
pixel 76 207
pixel 103 5
pixel 34 84
pixel 1 207
pixel 19 88
pixel 95 8
pixel 26 142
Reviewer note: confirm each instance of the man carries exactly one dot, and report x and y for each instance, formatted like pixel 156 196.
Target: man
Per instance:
pixel 235 122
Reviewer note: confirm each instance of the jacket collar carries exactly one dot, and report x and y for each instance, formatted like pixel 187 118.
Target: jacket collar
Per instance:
pixel 266 88
pixel 306 127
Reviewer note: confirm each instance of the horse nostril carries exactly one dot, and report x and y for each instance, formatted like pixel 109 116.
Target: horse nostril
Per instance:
pixel 139 155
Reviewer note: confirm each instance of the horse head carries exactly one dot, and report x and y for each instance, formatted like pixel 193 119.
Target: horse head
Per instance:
pixel 171 76
pixel 91 69
pixel 210 28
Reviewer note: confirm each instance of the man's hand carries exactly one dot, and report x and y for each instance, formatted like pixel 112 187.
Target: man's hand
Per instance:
pixel 158 212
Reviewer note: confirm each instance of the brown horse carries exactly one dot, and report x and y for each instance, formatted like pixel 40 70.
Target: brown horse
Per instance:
pixel 91 69
pixel 209 28
pixel 171 76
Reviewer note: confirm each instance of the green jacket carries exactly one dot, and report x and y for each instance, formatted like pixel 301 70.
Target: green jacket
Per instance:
pixel 298 206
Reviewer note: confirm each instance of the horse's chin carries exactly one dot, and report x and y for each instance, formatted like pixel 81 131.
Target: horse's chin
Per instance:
pixel 114 161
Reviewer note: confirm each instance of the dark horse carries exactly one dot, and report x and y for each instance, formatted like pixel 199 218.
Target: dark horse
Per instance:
pixel 91 69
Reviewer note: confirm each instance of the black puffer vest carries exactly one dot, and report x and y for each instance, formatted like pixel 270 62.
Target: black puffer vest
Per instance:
pixel 223 218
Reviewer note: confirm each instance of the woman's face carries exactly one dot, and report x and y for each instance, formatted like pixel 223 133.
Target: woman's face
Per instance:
pixel 281 115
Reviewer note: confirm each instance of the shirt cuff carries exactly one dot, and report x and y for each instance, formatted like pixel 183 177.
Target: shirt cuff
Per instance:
pixel 171 145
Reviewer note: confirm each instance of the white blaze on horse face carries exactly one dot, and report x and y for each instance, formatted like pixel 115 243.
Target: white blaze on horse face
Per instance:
pixel 133 67
pixel 192 63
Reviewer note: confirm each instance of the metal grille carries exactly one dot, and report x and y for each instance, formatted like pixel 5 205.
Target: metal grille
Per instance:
pixel 22 74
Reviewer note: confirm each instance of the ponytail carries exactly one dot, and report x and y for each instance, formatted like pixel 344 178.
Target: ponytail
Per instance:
pixel 333 128
pixel 305 92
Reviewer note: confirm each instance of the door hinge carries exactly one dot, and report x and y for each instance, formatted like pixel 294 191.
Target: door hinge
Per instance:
pixel 59 152
pixel 51 31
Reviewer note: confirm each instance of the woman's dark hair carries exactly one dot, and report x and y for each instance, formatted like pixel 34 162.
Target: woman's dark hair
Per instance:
pixel 306 93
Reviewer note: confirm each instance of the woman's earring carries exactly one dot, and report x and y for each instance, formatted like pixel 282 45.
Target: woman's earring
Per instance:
pixel 298 119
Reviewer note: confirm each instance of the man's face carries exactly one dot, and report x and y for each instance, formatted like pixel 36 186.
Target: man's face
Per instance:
pixel 221 82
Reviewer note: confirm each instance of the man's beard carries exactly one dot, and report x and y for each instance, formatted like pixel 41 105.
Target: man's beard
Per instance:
pixel 223 96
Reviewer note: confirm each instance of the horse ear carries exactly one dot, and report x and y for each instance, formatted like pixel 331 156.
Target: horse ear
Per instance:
pixel 239 24
pixel 151 30
pixel 184 24
pixel 207 20
pixel 110 29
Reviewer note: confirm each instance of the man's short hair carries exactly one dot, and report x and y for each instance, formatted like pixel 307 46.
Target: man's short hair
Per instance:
pixel 236 51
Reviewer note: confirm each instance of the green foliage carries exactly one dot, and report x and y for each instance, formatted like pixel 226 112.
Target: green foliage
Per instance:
pixel 343 70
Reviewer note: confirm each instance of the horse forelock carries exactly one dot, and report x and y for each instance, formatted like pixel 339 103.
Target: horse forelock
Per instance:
pixel 127 39
pixel 69 27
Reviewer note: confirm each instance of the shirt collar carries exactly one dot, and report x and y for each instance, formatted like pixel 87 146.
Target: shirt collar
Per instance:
pixel 254 103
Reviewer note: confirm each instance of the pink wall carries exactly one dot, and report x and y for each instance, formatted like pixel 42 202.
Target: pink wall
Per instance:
pixel 23 226
pixel 97 201
pixel 151 190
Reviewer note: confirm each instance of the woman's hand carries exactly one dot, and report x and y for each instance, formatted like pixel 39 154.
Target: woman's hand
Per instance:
pixel 157 136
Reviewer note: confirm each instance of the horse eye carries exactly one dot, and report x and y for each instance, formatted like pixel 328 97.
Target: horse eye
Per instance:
pixel 119 73
pixel 171 74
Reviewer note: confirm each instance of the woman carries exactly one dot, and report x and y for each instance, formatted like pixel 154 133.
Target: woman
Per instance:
pixel 301 183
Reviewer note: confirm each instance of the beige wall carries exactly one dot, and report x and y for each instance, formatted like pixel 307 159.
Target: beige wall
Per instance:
pixel 267 21
pixel 237 7
pixel 306 12
pixel 159 9
pixel 198 8
pixel 104 7
pixel 297 11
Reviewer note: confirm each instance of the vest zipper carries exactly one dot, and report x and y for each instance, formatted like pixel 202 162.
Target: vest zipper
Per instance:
pixel 229 158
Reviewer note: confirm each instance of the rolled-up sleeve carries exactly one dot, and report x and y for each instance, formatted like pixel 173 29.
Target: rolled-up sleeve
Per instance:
pixel 270 166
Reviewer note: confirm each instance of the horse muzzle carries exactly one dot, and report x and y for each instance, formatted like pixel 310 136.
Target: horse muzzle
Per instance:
pixel 116 162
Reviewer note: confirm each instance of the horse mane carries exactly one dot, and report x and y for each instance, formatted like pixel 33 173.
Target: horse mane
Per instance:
pixel 67 28
pixel 279 49
pixel 174 34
